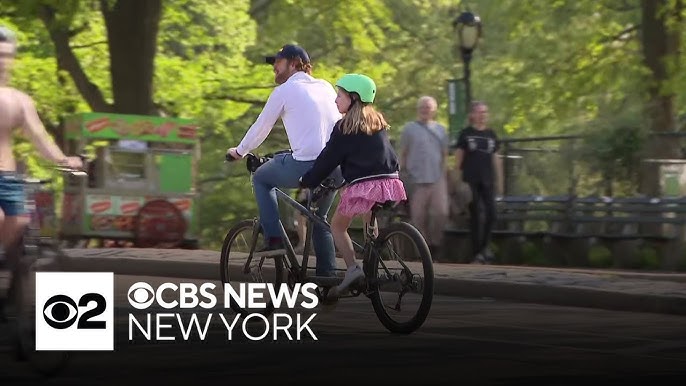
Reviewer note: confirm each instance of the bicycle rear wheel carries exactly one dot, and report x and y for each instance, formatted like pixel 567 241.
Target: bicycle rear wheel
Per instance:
pixel 23 311
pixel 402 278
pixel 239 266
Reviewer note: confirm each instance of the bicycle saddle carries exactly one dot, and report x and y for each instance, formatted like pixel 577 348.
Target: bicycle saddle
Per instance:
pixel 384 205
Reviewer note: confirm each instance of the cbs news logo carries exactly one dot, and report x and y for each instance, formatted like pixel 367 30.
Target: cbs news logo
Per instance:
pixel 77 310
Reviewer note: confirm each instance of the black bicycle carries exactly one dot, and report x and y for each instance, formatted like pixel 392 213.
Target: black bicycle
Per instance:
pixel 19 307
pixel 397 263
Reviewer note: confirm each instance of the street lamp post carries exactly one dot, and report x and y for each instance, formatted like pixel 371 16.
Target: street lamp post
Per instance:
pixel 468 29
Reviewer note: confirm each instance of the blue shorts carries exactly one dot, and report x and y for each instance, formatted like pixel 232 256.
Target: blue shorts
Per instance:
pixel 12 195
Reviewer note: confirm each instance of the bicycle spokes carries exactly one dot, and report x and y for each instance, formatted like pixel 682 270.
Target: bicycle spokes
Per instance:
pixel 238 265
pixel 399 270
pixel 401 288
pixel 401 276
pixel 255 270
pixel 400 298
pixel 409 282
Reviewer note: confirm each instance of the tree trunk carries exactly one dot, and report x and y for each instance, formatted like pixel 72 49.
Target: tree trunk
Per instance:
pixel 67 61
pixel 132 27
pixel 259 9
pixel 661 28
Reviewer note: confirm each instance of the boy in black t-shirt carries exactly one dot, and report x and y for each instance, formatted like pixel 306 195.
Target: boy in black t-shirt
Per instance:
pixel 476 157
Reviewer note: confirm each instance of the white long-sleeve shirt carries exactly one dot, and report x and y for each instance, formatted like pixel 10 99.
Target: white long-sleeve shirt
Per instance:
pixel 308 109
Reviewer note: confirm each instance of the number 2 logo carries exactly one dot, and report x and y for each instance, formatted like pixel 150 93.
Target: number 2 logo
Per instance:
pixel 61 311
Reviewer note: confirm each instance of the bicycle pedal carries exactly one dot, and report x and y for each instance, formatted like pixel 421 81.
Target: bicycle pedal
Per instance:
pixel 328 302
pixel 355 292
pixel 368 292
pixel 330 293
pixel 359 284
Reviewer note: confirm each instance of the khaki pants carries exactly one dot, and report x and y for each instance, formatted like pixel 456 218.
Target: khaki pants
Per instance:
pixel 429 209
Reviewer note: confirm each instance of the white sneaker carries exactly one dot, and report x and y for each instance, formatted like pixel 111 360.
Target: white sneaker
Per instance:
pixel 353 274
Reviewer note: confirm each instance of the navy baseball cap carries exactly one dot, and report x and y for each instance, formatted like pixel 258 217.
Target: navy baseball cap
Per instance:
pixel 289 51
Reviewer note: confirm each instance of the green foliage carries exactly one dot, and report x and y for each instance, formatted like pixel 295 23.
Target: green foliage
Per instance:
pixel 649 258
pixel 544 68
pixel 554 65
pixel 533 255
pixel 599 256
pixel 612 149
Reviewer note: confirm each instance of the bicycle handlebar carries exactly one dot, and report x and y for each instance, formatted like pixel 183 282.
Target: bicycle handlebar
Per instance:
pixel 253 162
pixel 326 186
pixel 74 172
pixel 61 168
pixel 44 181
pixel 229 158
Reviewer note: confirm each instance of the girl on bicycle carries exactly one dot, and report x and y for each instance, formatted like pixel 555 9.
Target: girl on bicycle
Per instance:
pixel 359 144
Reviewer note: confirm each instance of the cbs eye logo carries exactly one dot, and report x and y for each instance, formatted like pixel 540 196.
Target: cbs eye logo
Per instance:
pixel 77 309
pixel 61 312
pixel 141 295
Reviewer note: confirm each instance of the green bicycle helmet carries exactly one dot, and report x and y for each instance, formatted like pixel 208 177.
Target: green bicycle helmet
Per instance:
pixel 363 85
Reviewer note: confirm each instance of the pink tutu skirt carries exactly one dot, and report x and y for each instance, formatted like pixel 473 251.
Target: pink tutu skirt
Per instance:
pixel 359 198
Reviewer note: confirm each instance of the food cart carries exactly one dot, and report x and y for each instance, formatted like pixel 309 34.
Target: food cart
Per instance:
pixel 141 185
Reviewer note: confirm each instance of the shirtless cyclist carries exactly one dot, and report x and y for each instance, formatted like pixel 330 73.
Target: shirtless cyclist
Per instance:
pixel 18 111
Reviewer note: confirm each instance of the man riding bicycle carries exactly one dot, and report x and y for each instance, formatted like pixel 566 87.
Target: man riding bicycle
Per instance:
pixel 17 110
pixel 307 107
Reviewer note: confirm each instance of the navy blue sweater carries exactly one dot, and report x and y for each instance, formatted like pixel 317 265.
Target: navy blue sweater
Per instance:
pixel 359 155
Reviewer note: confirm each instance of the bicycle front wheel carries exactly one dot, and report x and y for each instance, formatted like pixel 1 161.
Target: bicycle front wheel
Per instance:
pixel 238 266
pixel 402 278
pixel 24 312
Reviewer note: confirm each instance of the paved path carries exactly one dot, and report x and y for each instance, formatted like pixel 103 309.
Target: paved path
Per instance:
pixel 464 341
pixel 608 289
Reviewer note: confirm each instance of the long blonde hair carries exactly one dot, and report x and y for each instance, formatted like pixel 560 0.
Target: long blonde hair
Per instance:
pixel 362 117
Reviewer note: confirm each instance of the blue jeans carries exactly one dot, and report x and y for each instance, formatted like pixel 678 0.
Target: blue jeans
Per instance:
pixel 284 172
pixel 12 195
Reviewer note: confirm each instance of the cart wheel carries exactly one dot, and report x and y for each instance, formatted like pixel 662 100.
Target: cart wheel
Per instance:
pixel 159 224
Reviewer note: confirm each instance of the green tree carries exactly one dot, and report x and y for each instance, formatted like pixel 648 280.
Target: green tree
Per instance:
pixel 662 30
pixel 545 67
pixel 67 62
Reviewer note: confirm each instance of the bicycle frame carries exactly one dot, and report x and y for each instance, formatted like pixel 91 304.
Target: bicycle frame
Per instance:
pixel 32 239
pixel 292 263
pixel 402 277
pixel 29 256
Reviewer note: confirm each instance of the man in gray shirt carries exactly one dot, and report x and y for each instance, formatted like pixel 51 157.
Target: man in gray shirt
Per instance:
pixel 423 153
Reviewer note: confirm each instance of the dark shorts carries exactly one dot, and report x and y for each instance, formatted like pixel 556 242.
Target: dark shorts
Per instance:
pixel 12 195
